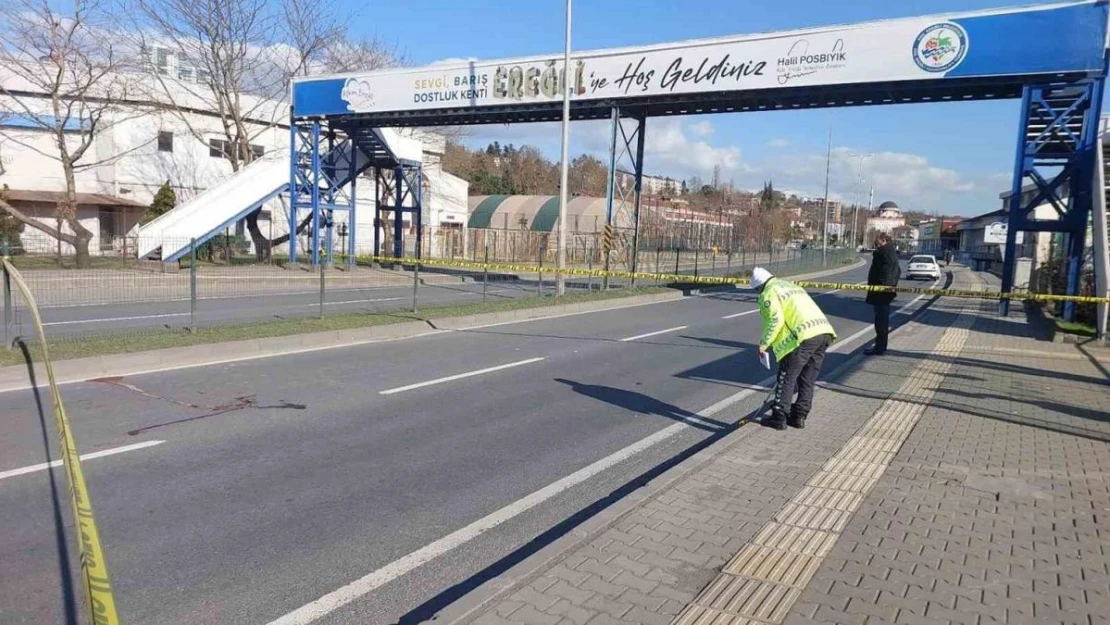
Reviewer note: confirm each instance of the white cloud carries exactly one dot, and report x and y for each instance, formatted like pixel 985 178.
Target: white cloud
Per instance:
pixel 670 150
pixel 702 129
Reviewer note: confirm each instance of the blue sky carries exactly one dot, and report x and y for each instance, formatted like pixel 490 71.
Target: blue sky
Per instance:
pixel 951 158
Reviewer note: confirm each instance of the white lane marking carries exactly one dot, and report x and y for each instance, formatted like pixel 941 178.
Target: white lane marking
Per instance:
pixel 650 334
pixel 108 319
pixel 344 595
pixel 90 456
pixel 902 310
pixel 459 376
pixel 740 314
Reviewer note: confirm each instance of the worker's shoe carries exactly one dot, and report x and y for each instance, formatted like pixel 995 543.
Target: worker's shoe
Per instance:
pixel 774 422
pixel 796 420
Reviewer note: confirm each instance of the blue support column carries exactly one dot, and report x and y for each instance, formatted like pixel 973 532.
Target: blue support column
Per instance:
pixel 418 208
pixel 1009 263
pixel 315 178
pixel 352 220
pixel 294 181
pixel 380 189
pixel 329 171
pixel 639 165
pixel 398 212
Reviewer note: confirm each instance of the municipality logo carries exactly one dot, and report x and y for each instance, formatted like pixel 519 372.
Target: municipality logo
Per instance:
pixel 940 47
pixel 358 95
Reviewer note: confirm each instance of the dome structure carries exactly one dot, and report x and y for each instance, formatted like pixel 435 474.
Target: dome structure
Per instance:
pixel 889 210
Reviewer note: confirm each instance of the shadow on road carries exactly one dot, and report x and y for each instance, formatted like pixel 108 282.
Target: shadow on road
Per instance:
pixel 65 579
pixel 643 404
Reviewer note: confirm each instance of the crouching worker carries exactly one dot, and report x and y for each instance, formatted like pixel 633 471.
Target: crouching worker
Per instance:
pixel 798 334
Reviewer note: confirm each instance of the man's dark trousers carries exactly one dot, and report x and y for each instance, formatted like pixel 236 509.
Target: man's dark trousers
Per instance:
pixel 882 325
pixel 798 374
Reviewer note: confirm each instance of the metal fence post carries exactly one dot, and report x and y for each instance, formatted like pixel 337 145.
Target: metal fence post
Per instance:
pixel 590 267
pixel 192 285
pixel 8 321
pixel 322 266
pixel 415 283
pixel 696 254
pixel 539 283
pixel 485 273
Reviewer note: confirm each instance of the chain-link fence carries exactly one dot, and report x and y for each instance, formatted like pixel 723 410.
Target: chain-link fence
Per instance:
pixel 223 282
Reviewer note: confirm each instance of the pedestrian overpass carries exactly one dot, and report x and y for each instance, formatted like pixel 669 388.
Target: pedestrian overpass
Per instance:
pixel 1052 57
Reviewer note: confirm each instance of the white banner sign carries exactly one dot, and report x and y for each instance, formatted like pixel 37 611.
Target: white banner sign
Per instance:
pixel 995 233
pixel 831 56
pixel 1008 42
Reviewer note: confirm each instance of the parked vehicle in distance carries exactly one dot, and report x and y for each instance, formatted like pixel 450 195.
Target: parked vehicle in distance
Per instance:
pixel 923 266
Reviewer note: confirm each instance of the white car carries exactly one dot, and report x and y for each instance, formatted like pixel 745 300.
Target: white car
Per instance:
pixel 923 266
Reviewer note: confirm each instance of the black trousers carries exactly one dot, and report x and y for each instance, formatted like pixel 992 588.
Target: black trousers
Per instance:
pixel 798 374
pixel 882 325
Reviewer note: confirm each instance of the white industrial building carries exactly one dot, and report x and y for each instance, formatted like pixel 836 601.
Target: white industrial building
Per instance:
pixel 139 147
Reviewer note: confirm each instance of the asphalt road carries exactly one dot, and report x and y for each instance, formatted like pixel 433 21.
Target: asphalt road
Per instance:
pixel 281 480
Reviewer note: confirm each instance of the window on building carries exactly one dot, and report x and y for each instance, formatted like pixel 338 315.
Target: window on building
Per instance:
pixel 218 148
pixel 221 148
pixel 165 141
pixel 162 61
pixel 184 69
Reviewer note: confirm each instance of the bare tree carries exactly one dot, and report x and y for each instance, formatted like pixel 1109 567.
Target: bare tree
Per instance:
pixel 62 78
pixel 242 55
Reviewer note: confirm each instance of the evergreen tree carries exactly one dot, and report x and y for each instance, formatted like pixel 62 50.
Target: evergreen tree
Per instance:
pixel 163 202
pixel 10 227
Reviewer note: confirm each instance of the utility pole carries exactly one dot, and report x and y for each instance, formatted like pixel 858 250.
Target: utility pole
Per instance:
pixel 825 235
pixel 870 201
pixel 859 193
pixel 561 254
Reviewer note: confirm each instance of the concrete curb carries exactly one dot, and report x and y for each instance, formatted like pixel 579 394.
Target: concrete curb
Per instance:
pixel 14 378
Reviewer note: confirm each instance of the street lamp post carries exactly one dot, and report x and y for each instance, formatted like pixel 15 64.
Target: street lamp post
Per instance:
pixel 825 234
pixel 859 191
pixel 561 254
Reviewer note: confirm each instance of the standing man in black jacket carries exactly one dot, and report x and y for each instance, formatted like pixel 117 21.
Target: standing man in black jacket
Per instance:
pixel 885 271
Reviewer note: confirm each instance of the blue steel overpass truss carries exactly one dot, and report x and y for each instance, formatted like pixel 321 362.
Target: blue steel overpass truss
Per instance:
pixel 327 159
pixel 1055 158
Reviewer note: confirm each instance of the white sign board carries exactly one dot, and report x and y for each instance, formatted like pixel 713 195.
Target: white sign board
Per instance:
pixel 995 233
pixel 926 48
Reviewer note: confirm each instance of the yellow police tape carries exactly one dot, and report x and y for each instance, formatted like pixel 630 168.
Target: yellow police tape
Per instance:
pixel 94 569
pixel 723 280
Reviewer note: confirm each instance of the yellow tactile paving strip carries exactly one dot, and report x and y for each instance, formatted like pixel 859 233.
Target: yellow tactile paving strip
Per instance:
pixel 764 579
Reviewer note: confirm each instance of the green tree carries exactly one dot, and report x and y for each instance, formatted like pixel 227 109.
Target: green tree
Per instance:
pixel 163 202
pixel 767 198
pixel 10 227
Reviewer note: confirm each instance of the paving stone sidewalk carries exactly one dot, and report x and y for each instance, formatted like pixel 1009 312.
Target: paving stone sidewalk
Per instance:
pixel 964 478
